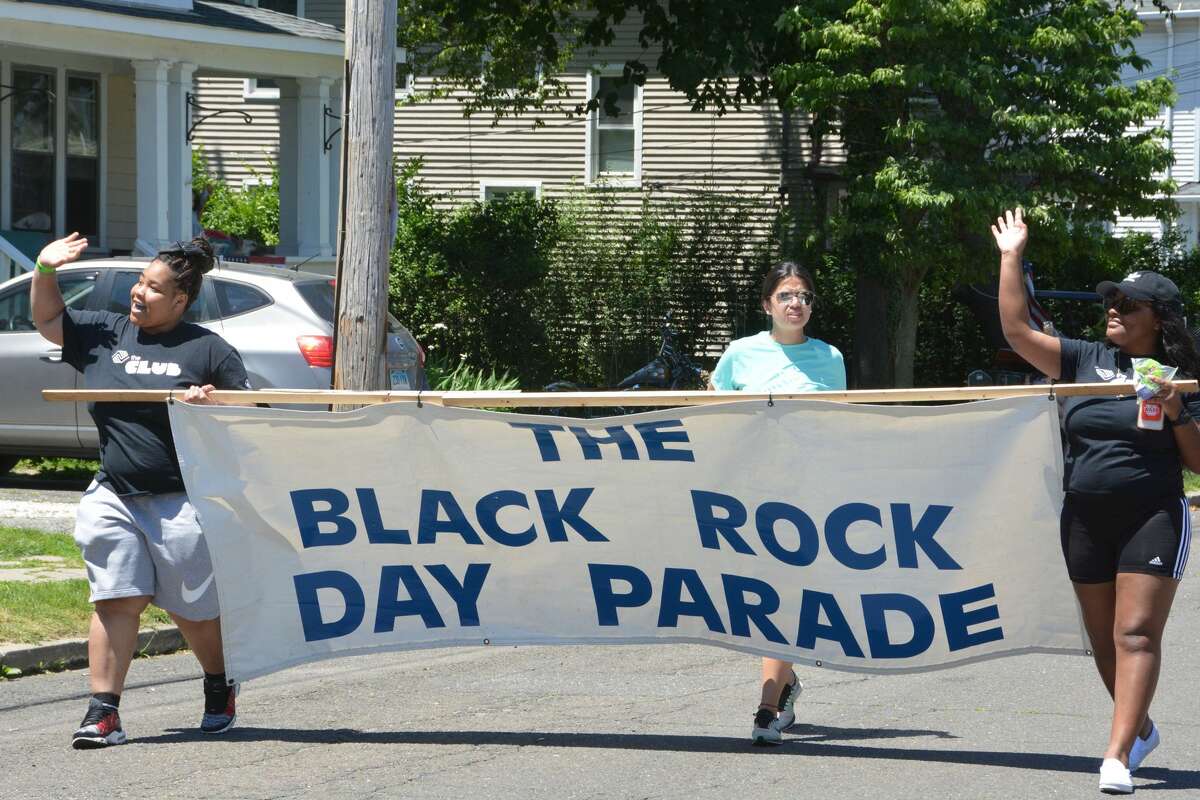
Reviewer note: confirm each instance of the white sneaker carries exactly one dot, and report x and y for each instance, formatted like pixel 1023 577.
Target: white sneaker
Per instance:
pixel 765 730
pixel 787 704
pixel 1143 747
pixel 1115 778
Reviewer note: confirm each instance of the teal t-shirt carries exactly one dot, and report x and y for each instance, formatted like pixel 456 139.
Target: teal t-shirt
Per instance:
pixel 758 363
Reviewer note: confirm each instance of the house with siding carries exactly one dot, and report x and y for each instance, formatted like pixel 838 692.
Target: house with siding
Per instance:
pixel 657 148
pixel 99 110
pixel 1172 46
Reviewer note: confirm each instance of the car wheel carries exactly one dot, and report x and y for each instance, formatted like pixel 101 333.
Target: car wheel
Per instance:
pixel 7 463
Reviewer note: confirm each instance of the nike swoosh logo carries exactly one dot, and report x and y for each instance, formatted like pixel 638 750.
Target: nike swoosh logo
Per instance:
pixel 192 595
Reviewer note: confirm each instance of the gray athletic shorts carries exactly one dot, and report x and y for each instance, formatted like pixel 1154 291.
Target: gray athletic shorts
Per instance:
pixel 146 545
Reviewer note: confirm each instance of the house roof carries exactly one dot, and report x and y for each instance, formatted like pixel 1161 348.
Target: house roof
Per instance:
pixel 213 14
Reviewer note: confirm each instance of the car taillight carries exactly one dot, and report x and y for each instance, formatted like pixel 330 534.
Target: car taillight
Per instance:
pixel 317 350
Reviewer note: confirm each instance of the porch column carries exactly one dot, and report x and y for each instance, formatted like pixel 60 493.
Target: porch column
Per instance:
pixel 303 168
pixel 179 153
pixel 151 130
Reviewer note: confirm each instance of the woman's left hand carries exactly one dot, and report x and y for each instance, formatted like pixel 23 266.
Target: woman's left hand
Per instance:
pixel 1169 396
pixel 199 395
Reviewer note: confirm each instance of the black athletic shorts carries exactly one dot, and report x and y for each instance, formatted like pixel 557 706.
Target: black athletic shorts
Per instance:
pixel 1103 535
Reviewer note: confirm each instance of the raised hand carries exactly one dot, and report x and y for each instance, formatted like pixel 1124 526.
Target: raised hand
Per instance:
pixel 62 251
pixel 1010 232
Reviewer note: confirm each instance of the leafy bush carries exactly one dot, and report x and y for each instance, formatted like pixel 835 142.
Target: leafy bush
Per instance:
pixel 577 289
pixel 248 213
pixel 467 281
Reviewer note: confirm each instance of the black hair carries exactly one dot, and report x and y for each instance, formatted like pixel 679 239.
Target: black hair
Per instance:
pixel 1175 341
pixel 785 269
pixel 188 262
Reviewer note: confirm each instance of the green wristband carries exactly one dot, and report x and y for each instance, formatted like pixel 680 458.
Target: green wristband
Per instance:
pixel 42 268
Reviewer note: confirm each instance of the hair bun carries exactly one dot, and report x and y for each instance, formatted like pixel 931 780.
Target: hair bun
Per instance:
pixel 199 252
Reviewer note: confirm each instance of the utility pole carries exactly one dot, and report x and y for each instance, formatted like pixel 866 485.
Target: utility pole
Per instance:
pixel 368 196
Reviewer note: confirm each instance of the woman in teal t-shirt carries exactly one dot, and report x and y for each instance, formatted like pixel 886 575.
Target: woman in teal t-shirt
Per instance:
pixel 784 360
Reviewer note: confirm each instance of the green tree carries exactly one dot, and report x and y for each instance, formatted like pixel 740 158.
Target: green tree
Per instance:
pixel 947 110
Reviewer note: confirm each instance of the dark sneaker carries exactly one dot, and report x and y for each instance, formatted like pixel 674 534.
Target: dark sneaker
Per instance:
pixel 220 708
pixel 765 731
pixel 101 727
pixel 787 704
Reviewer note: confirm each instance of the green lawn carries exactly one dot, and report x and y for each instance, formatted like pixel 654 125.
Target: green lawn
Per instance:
pixel 58 468
pixel 42 611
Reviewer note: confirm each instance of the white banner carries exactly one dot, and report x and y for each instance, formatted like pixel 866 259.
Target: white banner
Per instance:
pixel 865 538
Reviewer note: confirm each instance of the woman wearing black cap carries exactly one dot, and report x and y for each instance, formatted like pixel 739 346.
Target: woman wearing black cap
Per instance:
pixel 1125 527
pixel 139 535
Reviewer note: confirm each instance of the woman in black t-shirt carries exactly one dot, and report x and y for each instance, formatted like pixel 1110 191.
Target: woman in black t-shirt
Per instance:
pixel 1125 523
pixel 138 533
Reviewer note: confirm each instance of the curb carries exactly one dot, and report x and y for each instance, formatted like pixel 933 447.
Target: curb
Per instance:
pixel 73 653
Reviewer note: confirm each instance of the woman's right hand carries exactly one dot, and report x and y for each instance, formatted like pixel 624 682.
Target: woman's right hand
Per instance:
pixel 1011 232
pixel 62 251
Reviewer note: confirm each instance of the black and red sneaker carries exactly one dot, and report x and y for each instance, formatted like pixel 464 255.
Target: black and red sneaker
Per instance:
pixel 220 707
pixel 101 727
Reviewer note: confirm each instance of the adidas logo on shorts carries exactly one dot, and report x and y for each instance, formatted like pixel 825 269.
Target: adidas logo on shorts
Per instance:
pixel 1156 562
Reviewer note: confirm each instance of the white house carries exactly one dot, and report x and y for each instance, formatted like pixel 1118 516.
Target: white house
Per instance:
pixel 98 112
pixel 1172 46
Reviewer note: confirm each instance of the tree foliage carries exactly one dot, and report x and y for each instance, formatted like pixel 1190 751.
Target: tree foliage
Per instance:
pixel 947 111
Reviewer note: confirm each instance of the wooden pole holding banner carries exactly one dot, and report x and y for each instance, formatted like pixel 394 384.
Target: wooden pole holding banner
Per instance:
pixel 516 399
pixel 360 343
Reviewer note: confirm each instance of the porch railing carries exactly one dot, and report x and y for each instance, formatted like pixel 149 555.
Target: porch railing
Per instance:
pixel 12 260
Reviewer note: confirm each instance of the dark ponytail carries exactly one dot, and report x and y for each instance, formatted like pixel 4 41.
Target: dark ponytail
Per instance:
pixel 1175 341
pixel 188 262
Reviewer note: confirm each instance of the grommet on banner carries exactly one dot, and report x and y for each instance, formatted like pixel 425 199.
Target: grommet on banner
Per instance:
pixel 487 641
pixel 819 664
pixel 770 399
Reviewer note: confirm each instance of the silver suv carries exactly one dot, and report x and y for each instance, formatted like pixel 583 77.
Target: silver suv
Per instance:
pixel 280 320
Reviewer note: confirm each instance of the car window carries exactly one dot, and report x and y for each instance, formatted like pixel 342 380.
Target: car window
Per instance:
pixel 15 311
pixel 237 298
pixel 320 298
pixel 124 280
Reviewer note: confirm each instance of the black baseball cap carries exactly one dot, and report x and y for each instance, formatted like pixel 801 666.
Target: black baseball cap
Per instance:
pixel 1145 285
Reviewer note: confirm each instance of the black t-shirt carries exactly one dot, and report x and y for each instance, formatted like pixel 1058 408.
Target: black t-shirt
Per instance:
pixel 1106 452
pixel 137 451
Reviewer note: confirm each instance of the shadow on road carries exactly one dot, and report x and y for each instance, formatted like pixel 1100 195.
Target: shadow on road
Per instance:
pixel 811 740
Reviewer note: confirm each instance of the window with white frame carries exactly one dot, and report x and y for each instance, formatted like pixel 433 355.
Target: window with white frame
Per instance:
pixel 614 140
pixel 494 188
pixel 267 89
pixel 39 148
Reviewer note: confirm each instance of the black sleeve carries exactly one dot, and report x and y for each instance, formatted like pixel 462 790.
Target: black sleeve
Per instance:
pixel 83 332
pixel 229 373
pixel 1072 351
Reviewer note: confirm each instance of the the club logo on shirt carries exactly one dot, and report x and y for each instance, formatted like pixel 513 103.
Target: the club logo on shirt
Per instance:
pixel 136 365
pixel 1111 376
pixel 120 357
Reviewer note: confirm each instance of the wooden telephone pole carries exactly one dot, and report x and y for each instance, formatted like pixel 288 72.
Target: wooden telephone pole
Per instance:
pixel 368 196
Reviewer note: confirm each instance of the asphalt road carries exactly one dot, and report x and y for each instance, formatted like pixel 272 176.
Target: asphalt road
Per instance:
pixel 593 722
pixel 598 722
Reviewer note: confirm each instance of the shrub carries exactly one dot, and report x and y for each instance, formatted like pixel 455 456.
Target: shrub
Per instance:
pixel 249 213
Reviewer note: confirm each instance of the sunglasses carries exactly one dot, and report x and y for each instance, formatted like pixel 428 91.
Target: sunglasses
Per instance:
pixel 1124 305
pixel 786 298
